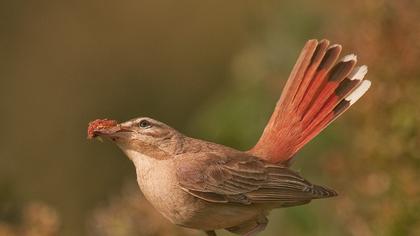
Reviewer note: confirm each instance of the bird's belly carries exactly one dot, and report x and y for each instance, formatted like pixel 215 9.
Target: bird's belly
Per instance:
pixel 210 216
pixel 161 189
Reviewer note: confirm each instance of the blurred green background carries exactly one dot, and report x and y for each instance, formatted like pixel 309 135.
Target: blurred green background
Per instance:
pixel 213 70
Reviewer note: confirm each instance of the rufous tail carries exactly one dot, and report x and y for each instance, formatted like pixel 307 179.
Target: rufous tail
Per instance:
pixel 319 90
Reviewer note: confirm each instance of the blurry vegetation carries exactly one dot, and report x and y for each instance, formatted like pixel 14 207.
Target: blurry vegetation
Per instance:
pixel 212 70
pixel 130 214
pixel 36 219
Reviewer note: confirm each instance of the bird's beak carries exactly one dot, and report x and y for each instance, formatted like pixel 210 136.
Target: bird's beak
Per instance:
pixel 106 128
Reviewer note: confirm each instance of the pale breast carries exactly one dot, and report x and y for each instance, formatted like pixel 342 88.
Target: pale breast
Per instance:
pixel 157 181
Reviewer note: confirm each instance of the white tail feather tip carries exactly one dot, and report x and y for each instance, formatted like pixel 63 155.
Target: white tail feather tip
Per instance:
pixel 334 46
pixel 358 92
pixel 350 57
pixel 358 73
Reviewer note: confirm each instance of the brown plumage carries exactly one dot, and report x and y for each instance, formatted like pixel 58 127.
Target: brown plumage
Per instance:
pixel 239 178
pixel 208 186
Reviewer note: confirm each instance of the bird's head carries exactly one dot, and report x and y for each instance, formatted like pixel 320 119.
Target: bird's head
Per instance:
pixel 140 135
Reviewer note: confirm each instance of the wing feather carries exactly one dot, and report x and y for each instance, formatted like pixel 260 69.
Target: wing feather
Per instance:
pixel 244 179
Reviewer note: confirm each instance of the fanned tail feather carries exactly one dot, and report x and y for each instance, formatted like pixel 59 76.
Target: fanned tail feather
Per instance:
pixel 318 90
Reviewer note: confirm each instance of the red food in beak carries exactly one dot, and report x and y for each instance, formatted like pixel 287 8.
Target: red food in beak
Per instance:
pixel 99 125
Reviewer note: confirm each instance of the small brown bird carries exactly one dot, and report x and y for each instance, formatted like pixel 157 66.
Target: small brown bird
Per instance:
pixel 208 186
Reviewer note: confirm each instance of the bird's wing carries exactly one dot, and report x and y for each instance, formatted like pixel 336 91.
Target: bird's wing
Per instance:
pixel 318 90
pixel 244 179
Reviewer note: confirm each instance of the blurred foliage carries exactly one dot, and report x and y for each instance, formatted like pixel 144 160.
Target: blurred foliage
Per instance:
pixel 37 219
pixel 212 70
pixel 130 214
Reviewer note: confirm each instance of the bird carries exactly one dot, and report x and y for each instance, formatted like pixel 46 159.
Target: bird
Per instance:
pixel 208 186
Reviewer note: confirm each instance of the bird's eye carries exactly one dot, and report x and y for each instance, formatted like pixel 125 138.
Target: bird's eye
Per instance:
pixel 145 124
